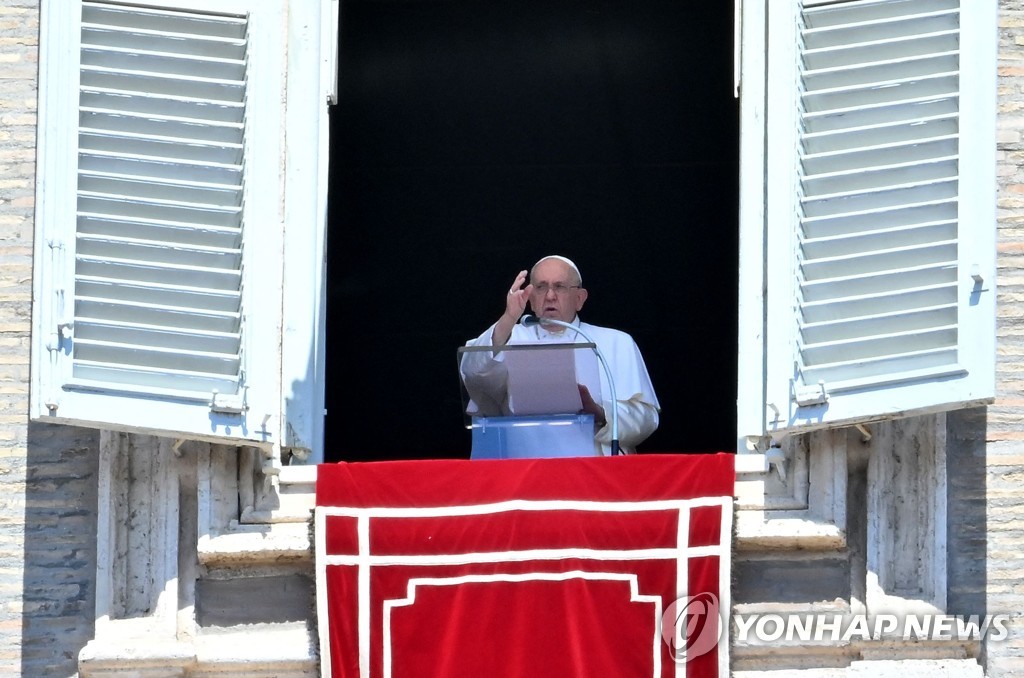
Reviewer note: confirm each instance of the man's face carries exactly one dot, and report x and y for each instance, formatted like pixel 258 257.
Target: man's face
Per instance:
pixel 556 292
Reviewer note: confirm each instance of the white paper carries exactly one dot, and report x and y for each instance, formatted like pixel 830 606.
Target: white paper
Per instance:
pixel 543 381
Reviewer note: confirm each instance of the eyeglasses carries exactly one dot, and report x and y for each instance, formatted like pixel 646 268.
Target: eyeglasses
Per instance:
pixel 559 288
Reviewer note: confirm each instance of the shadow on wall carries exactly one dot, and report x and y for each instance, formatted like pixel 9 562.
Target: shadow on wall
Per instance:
pixel 59 557
pixel 966 514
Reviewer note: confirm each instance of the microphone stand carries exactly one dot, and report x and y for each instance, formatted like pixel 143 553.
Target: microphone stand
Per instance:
pixel 529 320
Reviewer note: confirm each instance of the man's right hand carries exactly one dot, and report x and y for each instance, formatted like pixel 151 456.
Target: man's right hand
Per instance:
pixel 515 305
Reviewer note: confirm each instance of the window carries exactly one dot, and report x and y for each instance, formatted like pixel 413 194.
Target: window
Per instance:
pixel 867 211
pixel 178 147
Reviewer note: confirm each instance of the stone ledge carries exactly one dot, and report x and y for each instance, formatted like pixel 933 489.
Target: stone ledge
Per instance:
pixel 288 650
pixel 905 668
pixel 777 530
pixel 257 544
pixel 261 650
pixel 280 650
pixel 855 658
pixel 142 657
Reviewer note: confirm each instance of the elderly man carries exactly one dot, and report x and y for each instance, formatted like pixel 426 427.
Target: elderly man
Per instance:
pixel 556 291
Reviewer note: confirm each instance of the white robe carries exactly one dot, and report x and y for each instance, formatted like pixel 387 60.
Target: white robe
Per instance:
pixel 486 380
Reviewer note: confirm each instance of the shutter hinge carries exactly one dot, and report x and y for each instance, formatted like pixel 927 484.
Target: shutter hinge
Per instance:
pixel 229 403
pixel 65 330
pixel 806 396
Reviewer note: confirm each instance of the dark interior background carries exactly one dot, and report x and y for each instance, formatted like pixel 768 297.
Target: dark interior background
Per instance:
pixel 473 137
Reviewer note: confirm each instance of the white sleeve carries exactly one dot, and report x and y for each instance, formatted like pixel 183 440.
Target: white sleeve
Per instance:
pixel 638 407
pixel 637 421
pixel 486 378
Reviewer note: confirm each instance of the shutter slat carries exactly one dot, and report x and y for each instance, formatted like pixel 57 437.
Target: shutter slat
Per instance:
pixel 882 155
pixel 878 346
pixel 162 210
pixel 174 106
pixel 886 369
pixel 99 35
pixel 930 254
pixel 877 73
pixel 157 315
pixel 156 83
pixel 876 177
pixel 156 357
pixel 876 283
pixel 833 56
pixel 167 294
pixel 845 28
pixel 160 147
pixel 894 196
pixel 146 250
pixel 102 162
pixel 223 196
pixel 821 13
pixel 914 129
pixel 859 327
pixel 876 93
pixel 151 382
pixel 157 63
pixel 165 21
pixel 877 240
pixel 881 112
pixel 887 301
pixel 868 220
pixel 157 272
pixel 161 126
pixel 140 334
pixel 163 231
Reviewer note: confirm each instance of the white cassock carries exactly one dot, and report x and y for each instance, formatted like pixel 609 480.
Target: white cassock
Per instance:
pixel 486 380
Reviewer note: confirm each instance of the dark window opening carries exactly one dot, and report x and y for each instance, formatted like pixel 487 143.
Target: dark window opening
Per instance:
pixel 470 139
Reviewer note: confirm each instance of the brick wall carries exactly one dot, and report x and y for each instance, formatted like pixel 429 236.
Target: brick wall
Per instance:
pixel 1005 429
pixel 47 473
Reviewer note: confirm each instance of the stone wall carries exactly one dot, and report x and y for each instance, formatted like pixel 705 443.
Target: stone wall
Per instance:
pixel 1004 431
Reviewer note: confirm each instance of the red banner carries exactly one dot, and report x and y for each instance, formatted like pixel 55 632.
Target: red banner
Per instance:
pixel 532 567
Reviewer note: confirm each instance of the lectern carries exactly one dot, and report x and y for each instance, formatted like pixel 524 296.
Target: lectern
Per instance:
pixel 522 400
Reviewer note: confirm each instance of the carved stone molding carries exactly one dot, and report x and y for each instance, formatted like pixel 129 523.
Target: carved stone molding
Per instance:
pixel 794 497
pixel 906 517
pixel 184 587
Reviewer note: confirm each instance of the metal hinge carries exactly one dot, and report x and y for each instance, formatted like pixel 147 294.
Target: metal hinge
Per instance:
pixel 228 403
pixel 806 396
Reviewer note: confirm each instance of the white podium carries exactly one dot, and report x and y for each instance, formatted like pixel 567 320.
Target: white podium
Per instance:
pixel 523 400
pixel 553 435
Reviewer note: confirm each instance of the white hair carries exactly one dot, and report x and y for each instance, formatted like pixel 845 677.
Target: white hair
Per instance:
pixel 564 260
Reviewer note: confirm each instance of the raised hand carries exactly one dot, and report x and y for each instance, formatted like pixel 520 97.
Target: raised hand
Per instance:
pixel 515 300
pixel 515 304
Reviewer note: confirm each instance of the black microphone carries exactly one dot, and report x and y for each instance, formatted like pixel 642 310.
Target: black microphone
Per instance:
pixel 531 320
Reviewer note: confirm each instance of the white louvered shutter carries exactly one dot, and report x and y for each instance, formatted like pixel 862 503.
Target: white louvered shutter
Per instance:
pixel 158 256
pixel 879 216
pixel 160 289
